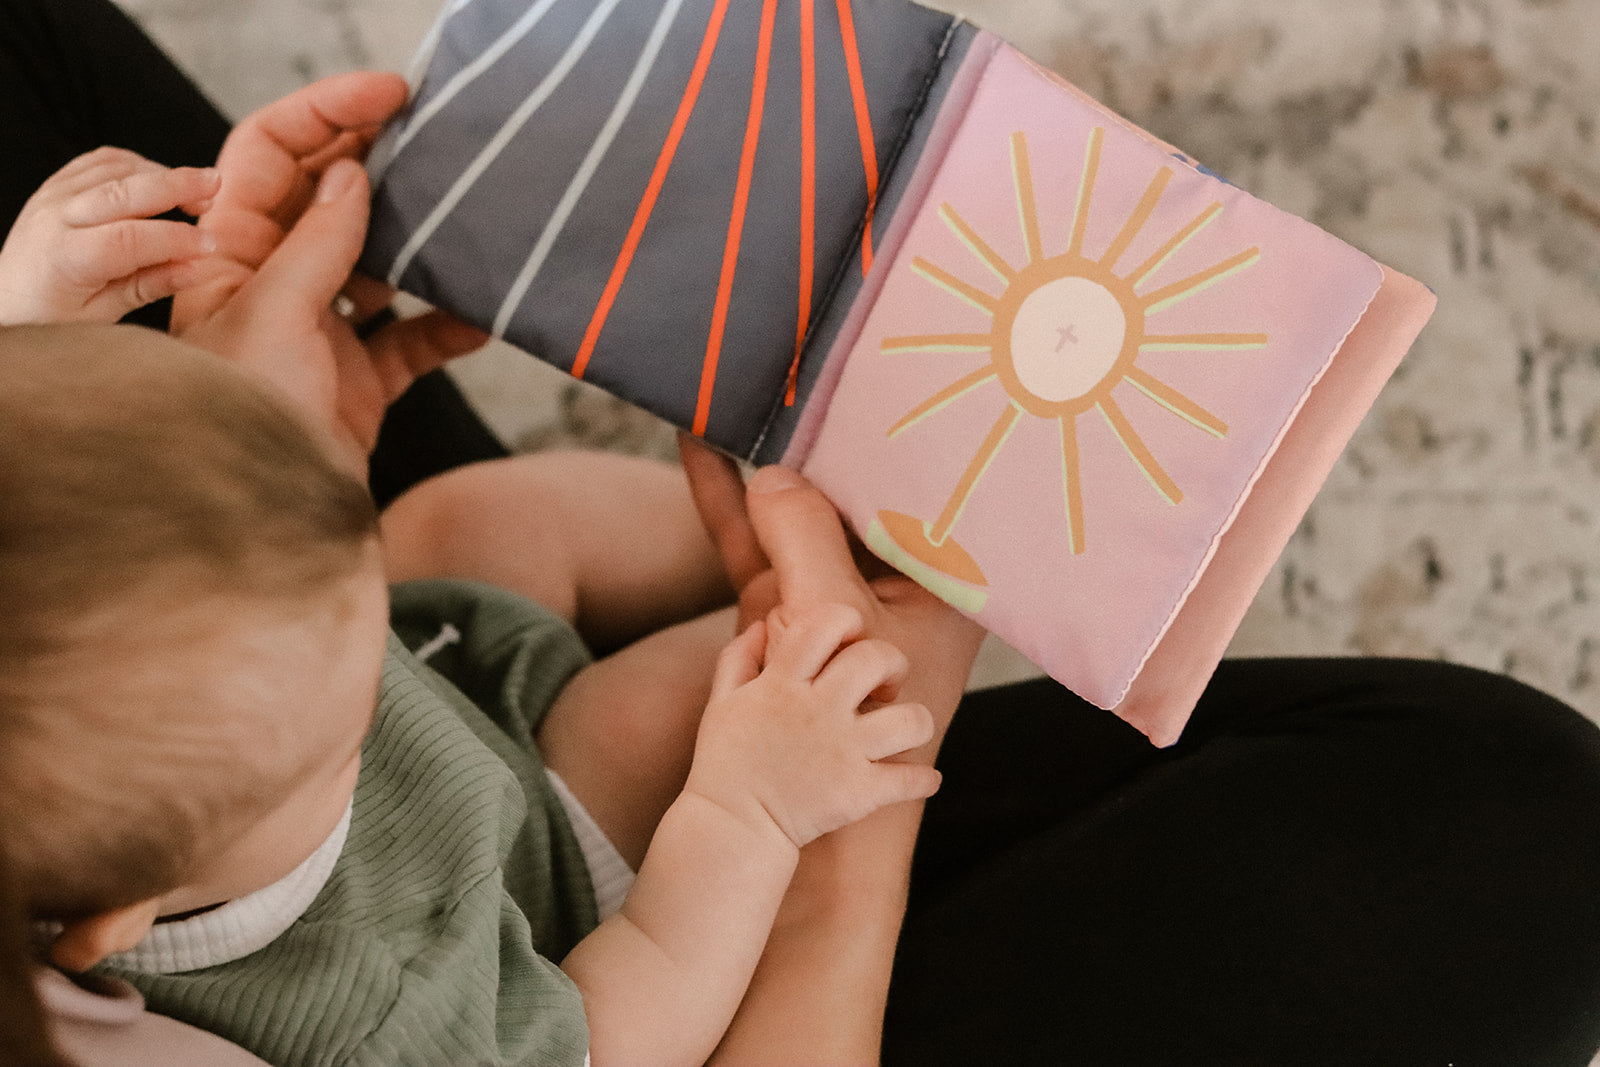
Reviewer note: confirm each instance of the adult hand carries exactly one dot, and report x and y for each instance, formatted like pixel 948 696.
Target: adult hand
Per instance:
pixel 786 551
pixel 818 994
pixel 289 223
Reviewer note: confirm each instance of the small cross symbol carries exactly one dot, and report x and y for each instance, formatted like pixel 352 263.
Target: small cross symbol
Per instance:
pixel 1067 334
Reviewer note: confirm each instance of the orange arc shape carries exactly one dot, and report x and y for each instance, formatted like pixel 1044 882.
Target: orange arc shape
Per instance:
pixel 949 558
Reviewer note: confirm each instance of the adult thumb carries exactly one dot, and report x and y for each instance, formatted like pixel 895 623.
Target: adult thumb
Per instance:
pixel 314 261
pixel 801 533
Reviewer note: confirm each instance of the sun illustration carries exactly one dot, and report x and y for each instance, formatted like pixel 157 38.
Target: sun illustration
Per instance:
pixel 1067 331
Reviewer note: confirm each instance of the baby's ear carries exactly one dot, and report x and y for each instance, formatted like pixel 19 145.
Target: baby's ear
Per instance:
pixel 85 942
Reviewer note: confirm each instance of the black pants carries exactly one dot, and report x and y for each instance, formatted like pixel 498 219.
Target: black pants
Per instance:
pixel 1342 861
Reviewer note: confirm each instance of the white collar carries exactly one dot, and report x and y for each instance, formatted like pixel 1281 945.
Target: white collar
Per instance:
pixel 239 927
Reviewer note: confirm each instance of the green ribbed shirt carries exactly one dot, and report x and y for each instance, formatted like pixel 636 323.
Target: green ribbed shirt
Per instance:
pixel 435 939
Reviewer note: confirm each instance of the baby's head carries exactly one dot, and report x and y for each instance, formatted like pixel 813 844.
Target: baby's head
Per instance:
pixel 192 626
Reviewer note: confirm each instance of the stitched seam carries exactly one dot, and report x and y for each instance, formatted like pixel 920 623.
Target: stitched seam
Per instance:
pixel 891 166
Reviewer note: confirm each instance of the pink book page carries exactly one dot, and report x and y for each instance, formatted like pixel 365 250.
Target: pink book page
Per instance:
pixel 1084 353
pixel 1179 667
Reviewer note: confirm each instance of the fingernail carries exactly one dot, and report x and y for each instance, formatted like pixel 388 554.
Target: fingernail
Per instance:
pixel 336 182
pixel 775 480
pixel 212 175
pixel 208 242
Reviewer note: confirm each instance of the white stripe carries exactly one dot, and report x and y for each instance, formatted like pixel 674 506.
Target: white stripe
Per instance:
pixel 492 150
pixel 466 75
pixel 384 151
pixel 591 163
pixel 430 43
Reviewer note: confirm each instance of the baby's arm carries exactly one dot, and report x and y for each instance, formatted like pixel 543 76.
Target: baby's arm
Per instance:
pixel 784 755
pixel 86 249
pixel 819 993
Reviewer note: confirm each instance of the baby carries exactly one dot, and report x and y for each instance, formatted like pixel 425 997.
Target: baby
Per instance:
pixel 226 778
pixel 225 774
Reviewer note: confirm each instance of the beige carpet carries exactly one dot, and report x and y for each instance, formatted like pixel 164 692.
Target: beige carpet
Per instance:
pixel 1454 139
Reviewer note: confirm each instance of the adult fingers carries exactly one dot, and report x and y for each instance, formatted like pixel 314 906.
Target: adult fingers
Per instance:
pixel 308 120
pixel 368 297
pixel 801 534
pixel 895 729
pixel 350 144
pixel 144 190
pixel 405 350
pixel 270 161
pixel 718 491
pixel 314 261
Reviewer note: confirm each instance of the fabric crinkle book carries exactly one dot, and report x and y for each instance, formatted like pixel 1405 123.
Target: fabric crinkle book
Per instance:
pixel 1047 365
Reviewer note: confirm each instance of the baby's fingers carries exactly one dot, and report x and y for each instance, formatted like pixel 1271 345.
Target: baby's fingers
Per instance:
pixel 895 729
pixel 119 249
pixel 138 189
pixel 802 645
pixel 740 661
pixel 898 782
pixel 865 669
pixel 138 289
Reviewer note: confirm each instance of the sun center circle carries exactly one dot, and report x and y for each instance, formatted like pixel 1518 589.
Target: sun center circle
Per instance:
pixel 1066 339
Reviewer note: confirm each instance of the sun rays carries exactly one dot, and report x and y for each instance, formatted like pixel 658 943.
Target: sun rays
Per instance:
pixel 1067 332
pixel 741 205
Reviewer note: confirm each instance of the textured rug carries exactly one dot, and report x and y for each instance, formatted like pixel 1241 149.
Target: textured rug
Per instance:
pixel 1452 139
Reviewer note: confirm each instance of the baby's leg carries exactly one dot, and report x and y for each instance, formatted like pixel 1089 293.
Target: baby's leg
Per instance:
pixel 611 543
pixel 614 545
pixel 622 733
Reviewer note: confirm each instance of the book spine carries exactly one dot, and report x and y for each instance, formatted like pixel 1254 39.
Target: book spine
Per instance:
pixel 791 428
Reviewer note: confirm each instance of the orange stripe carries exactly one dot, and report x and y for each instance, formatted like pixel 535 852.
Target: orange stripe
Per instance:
pixel 869 148
pixel 741 204
pixel 658 178
pixel 808 184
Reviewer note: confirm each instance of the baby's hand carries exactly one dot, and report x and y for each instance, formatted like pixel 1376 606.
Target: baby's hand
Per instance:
pixel 86 249
pixel 790 741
